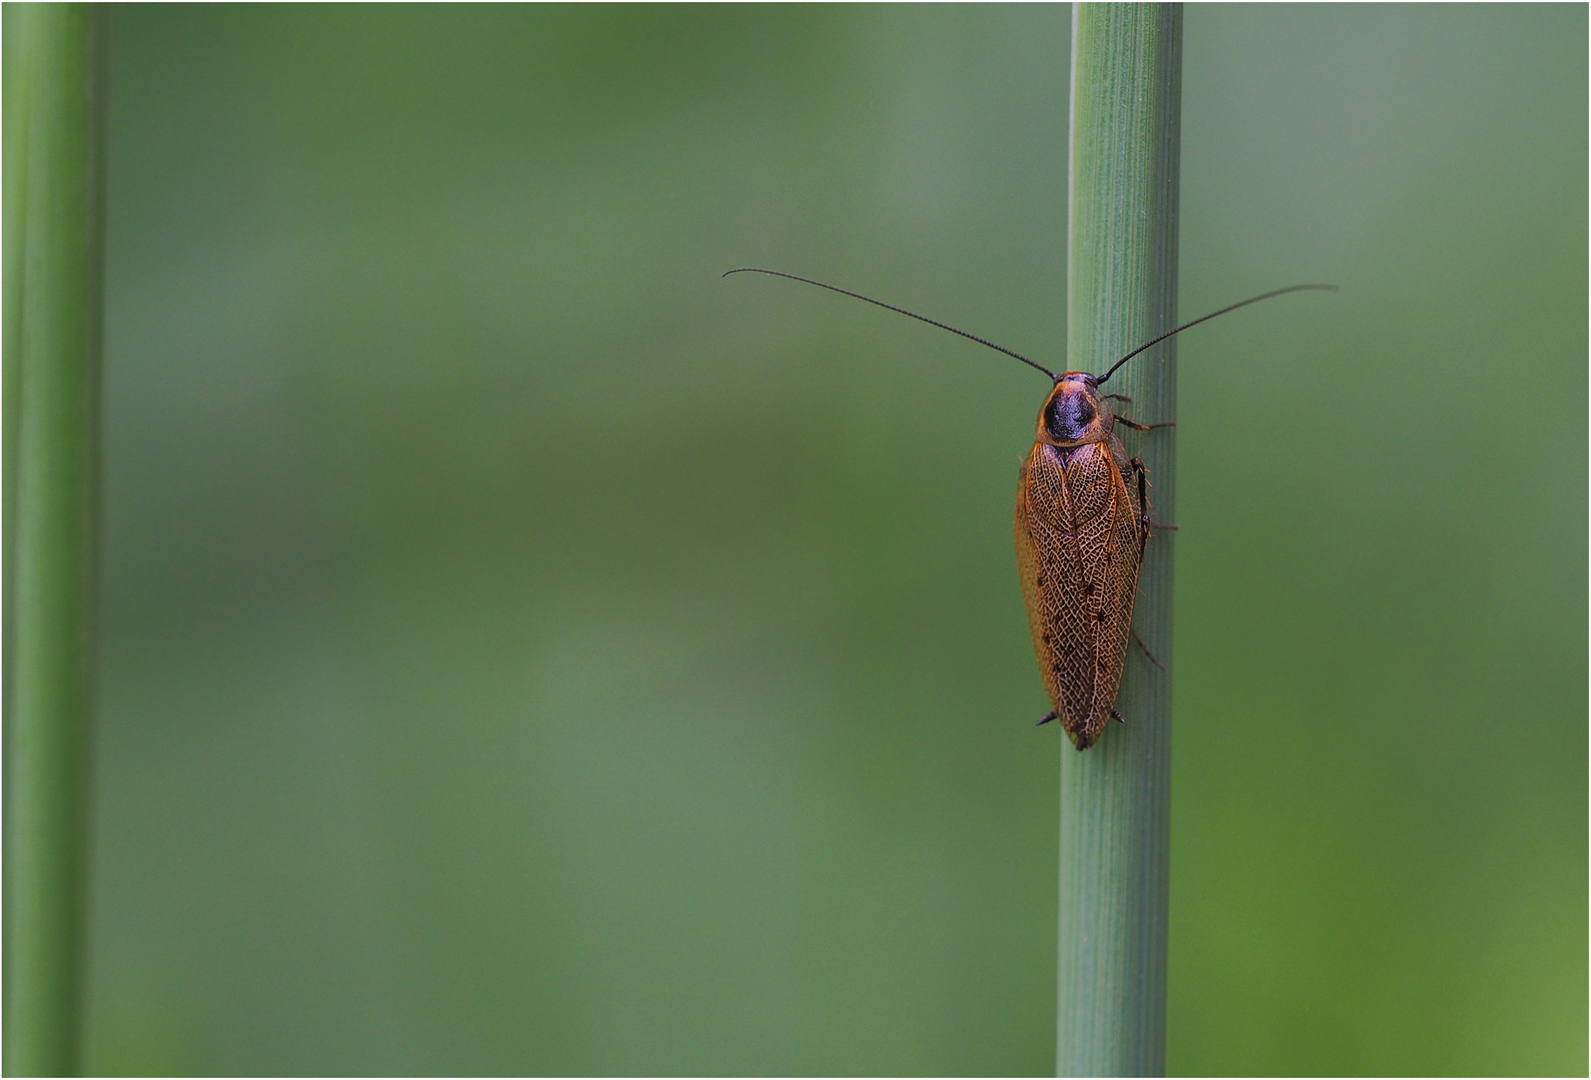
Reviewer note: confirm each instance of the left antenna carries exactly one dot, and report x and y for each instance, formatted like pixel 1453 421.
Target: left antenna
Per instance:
pixel 897 310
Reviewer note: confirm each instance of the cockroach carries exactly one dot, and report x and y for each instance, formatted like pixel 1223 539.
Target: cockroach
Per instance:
pixel 1082 525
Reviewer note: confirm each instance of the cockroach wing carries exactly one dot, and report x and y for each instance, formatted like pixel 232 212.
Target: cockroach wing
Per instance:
pixel 1079 543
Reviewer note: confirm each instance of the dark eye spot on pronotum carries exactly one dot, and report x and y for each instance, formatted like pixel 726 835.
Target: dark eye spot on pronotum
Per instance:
pixel 1068 416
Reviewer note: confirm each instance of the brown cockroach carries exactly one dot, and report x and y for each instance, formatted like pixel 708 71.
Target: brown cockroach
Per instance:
pixel 1082 524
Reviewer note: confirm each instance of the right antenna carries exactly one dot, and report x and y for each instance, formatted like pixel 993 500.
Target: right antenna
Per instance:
pixel 1206 318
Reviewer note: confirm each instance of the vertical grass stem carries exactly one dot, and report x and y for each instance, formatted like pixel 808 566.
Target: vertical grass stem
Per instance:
pixel 1121 291
pixel 53 227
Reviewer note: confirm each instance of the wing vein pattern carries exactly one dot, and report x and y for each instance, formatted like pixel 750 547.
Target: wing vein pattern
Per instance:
pixel 1079 540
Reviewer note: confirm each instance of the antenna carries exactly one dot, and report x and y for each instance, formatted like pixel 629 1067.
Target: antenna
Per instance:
pixel 914 315
pixel 1206 318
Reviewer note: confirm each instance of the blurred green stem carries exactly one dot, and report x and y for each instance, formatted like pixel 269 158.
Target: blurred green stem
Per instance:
pixel 53 226
pixel 1121 291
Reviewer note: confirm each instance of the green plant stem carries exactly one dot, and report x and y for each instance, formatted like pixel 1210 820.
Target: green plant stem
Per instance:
pixel 52 343
pixel 1121 291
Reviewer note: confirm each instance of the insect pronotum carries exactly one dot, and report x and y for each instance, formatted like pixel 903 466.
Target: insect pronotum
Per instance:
pixel 1082 523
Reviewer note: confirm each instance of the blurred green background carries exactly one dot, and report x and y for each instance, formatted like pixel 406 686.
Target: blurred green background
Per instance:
pixel 525 652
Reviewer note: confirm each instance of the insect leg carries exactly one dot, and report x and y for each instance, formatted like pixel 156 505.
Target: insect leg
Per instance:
pixel 1136 426
pixel 1046 718
pixel 1144 524
pixel 1152 659
pixel 1142 471
pixel 1118 397
pixel 1118 717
